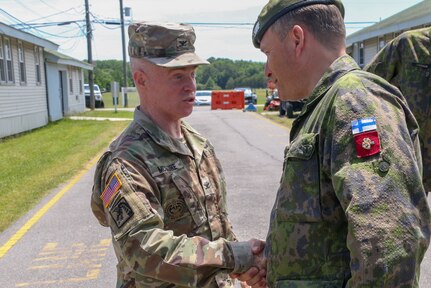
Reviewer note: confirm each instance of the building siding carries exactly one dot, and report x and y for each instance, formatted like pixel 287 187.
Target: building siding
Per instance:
pixel 27 102
pixel 370 49
pixel 23 105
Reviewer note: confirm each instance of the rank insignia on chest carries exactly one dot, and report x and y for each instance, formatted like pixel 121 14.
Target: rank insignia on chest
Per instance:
pixel 366 137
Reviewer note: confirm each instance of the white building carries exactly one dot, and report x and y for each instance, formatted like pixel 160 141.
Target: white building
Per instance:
pixel 37 83
pixel 364 44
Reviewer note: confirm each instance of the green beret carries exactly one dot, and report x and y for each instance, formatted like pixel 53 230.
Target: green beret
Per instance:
pixel 277 8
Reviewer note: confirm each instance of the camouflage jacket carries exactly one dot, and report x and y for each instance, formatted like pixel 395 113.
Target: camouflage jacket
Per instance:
pixel 406 63
pixel 165 202
pixel 350 213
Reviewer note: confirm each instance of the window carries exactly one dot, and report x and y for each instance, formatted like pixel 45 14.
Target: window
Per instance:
pixel 381 43
pixel 8 57
pixel 37 64
pixel 80 86
pixel 21 62
pixel 361 54
pixel 71 84
pixel 2 65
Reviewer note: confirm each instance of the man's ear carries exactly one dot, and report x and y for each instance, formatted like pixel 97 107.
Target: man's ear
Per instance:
pixel 298 36
pixel 139 77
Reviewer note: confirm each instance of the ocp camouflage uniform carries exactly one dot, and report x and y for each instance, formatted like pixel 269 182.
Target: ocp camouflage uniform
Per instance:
pixel 340 220
pixel 406 63
pixel 167 212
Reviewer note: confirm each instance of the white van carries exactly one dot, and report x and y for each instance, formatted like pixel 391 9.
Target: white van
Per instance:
pixel 97 96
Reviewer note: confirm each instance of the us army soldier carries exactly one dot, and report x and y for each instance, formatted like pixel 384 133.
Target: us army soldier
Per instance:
pixel 160 187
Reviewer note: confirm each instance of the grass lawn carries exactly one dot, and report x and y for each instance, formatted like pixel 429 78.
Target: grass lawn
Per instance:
pixel 36 162
pixel 107 113
pixel 132 100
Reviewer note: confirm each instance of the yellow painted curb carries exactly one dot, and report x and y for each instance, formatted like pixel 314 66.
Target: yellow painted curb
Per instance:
pixel 36 217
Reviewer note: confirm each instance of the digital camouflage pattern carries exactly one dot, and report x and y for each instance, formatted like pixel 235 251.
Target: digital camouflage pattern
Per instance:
pixel 406 63
pixel 168 219
pixel 164 44
pixel 340 220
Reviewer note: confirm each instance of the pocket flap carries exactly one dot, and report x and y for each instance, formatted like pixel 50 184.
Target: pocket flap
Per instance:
pixel 191 200
pixel 302 147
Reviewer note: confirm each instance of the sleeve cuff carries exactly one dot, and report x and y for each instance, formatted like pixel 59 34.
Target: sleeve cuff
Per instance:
pixel 242 255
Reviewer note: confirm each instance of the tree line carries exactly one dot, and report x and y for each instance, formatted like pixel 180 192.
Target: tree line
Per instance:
pixel 220 74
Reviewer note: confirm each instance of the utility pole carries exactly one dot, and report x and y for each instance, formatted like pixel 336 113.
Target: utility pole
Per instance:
pixel 124 53
pixel 90 56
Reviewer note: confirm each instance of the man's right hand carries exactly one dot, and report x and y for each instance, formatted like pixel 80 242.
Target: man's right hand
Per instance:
pixel 256 275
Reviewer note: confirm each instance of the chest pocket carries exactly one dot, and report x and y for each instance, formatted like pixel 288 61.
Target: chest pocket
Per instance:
pixel 298 198
pixel 193 204
pixel 183 211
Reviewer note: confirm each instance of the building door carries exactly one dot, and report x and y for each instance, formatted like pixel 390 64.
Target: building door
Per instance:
pixel 61 90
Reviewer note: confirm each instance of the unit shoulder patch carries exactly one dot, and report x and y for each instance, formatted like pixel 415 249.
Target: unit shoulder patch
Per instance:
pixel 366 137
pixel 121 212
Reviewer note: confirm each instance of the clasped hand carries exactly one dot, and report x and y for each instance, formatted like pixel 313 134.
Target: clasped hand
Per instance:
pixel 256 275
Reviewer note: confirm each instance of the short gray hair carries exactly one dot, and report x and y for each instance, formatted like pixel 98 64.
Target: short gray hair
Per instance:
pixel 325 22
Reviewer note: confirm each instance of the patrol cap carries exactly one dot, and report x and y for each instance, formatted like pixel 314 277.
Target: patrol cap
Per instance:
pixel 164 44
pixel 277 8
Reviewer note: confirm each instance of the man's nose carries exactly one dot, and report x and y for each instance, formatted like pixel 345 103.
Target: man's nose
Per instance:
pixel 267 71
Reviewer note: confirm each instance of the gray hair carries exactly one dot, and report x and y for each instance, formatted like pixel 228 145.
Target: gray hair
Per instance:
pixel 325 22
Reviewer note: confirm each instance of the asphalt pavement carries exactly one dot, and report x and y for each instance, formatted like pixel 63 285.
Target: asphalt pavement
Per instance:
pixel 60 244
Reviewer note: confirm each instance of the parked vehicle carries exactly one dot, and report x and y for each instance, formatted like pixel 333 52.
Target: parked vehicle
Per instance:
pixel 249 96
pixel 286 108
pixel 203 97
pixel 293 106
pixel 272 102
pixel 97 96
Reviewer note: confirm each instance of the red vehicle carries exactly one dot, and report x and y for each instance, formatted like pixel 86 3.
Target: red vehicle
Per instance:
pixel 272 102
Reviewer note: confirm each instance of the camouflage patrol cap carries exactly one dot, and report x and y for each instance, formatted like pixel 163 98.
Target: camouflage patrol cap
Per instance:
pixel 277 8
pixel 164 44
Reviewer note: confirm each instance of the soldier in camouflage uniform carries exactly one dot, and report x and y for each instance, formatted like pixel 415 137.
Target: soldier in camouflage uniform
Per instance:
pixel 406 63
pixel 351 210
pixel 160 187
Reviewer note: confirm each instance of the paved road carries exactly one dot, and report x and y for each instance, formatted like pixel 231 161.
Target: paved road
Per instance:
pixel 66 247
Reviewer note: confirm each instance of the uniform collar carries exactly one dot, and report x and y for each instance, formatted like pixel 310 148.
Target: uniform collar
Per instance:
pixel 338 68
pixel 173 145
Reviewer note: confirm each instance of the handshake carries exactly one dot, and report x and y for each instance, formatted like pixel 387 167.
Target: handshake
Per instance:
pixel 256 275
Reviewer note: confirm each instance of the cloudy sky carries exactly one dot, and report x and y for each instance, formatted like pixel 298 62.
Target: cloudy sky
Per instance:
pixel 230 38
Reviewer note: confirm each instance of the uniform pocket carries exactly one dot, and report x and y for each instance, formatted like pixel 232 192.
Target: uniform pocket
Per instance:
pixel 298 198
pixel 192 202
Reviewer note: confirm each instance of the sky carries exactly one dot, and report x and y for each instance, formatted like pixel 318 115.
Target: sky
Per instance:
pixel 228 40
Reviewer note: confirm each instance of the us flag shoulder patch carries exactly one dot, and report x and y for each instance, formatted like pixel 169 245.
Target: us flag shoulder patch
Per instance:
pixel 111 190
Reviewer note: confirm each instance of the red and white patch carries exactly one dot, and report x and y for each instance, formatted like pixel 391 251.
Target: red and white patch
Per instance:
pixel 367 143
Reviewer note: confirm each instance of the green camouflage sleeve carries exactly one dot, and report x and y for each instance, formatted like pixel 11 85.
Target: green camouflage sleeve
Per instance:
pixel 386 62
pixel 136 220
pixel 381 195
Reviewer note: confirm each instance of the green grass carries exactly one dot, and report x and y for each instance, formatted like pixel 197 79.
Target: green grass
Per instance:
pixel 283 120
pixel 34 163
pixel 107 113
pixel 132 100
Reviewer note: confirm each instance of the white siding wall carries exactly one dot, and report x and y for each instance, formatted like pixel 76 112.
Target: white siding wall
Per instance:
pixel 23 106
pixel 371 47
pixel 76 100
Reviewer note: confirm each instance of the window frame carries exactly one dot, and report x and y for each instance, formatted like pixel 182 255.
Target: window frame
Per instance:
pixel 8 60
pixel 38 75
pixel 21 62
pixel 3 76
